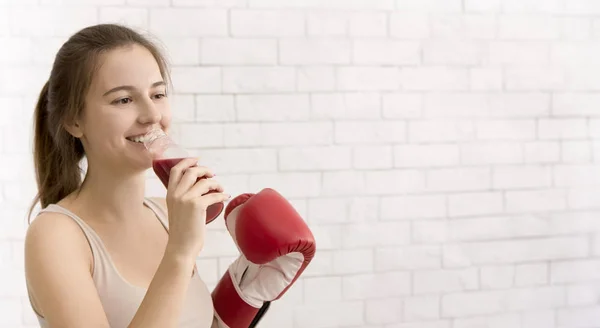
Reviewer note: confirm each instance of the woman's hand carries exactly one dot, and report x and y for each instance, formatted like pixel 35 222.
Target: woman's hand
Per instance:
pixel 187 199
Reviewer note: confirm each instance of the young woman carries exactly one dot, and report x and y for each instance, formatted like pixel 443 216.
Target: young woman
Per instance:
pixel 100 253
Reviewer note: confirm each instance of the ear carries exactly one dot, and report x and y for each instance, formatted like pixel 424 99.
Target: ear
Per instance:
pixel 74 128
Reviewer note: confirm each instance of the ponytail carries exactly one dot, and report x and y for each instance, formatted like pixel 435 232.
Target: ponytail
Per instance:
pixel 56 155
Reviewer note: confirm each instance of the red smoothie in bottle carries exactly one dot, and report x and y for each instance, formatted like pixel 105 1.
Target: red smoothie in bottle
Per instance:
pixel 162 168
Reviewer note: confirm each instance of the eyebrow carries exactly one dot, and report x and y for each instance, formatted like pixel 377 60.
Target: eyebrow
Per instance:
pixel 130 87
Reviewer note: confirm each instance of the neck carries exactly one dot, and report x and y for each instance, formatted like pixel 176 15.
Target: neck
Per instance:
pixel 112 197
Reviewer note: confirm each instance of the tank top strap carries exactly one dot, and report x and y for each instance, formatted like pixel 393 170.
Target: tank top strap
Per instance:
pixel 160 212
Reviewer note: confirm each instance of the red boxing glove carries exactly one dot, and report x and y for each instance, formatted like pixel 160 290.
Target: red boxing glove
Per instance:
pixel 276 245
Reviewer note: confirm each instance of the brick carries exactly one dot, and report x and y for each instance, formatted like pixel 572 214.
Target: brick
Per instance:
pixel 577 80
pixel 294 134
pixel 314 51
pixel 293 184
pixel 458 179
pixel 576 175
pixel 132 17
pixel 538 318
pixel 372 234
pixel 586 293
pixel 531 274
pixel 197 135
pixel 323 289
pixel 315 158
pixel 322 264
pixel 532 6
pixel 327 23
pixel 519 105
pixel 402 105
pixel 196 79
pixel 456 105
pixel 572 104
pixel 498 152
pixel 183 108
pixel 258 79
pixel 332 4
pixel 368 132
pixel 22 81
pixel 583 197
pixel 364 24
pixel 440 131
pixel 376 285
pixel 222 51
pixel 385 51
pixel 50 21
pixel 574 271
pixel 434 78
pixel 345 261
pixel 574 54
pixel 510 177
pixel 577 317
pixel 491 302
pixel 562 128
pixel 367 78
pixel 219 243
pixel 445 281
pixel 470 204
pixel 461 26
pixel 535 200
pixel 411 25
pixel 421 308
pixel 413 207
pixel 576 28
pixel 276 107
pixel 11 311
pixel 430 231
pixel 429 5
pixel 271 23
pixel 210 3
pixel 452 52
pixel 315 78
pixel 328 210
pixel 518 53
pixel 494 277
pixel 486 79
pixel 342 183
pixel 404 181
pixel 576 151
pixel 534 78
pixel 372 157
pixel 348 106
pixel 423 324
pixel 382 311
pixel 407 258
pixel 483 5
pixel 206 105
pixel 541 152
pixel 517 251
pixel 581 7
pixel 594 126
pixel 329 236
pixel 528 27
pixel 242 134
pixel 509 320
pixel 226 161
pixel 21 50
pixel 187 22
pixel 334 314
pixel 506 130
pixel 429 155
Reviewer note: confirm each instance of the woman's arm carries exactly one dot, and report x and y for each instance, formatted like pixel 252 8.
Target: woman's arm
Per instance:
pixel 57 261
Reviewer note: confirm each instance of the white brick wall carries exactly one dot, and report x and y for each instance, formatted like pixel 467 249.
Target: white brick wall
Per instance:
pixel 444 152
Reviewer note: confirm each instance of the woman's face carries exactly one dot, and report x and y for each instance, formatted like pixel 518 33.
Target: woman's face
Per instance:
pixel 127 98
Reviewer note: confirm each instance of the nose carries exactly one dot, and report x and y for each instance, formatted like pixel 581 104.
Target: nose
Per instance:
pixel 149 113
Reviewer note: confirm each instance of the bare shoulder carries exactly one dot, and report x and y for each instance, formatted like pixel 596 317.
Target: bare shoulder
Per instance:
pixel 57 268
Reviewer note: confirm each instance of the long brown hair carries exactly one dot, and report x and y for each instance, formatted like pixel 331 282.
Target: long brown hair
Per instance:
pixel 56 152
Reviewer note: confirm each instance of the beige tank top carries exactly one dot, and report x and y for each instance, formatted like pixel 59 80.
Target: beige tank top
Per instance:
pixel 121 299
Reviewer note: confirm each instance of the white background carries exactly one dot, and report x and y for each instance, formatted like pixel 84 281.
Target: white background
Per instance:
pixel 444 152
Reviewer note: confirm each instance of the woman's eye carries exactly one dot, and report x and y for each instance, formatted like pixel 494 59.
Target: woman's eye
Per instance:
pixel 160 95
pixel 122 101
